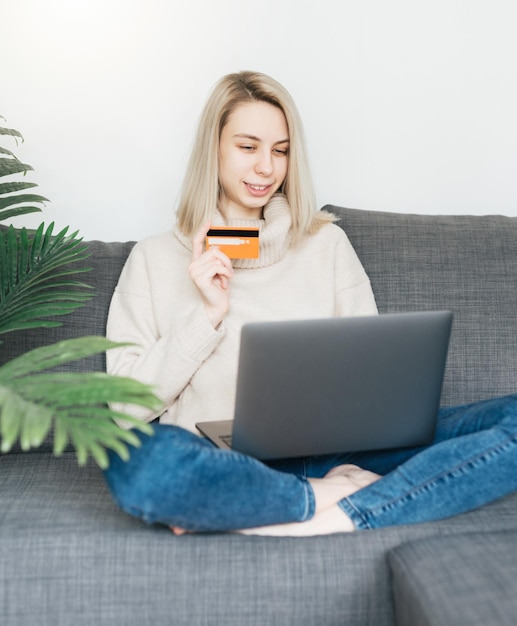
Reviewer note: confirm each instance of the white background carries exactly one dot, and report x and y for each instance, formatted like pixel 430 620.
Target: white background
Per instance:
pixel 408 105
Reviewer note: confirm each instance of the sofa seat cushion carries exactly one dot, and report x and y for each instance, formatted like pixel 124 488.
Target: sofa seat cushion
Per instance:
pixel 69 555
pixel 456 580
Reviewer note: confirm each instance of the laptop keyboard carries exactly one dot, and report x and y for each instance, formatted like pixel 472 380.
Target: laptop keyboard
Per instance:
pixel 227 440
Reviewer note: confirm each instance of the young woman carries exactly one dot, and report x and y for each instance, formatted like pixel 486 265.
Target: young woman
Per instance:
pixel 182 308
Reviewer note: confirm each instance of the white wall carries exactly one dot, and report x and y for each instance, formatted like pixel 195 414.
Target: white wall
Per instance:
pixel 408 105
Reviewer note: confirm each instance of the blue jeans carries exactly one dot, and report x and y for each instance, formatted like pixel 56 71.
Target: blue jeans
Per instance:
pixel 179 479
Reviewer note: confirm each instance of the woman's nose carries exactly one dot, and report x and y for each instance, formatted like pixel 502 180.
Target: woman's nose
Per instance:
pixel 264 164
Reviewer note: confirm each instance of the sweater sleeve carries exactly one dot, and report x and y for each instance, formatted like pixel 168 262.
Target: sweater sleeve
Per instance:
pixel 165 358
pixel 354 295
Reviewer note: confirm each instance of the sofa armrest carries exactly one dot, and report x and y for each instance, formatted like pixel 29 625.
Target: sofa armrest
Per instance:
pixel 456 580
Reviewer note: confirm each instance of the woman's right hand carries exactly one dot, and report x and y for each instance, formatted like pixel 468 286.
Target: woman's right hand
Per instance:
pixel 211 272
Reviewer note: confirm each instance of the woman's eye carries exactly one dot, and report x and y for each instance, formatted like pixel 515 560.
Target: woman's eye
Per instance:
pixel 247 148
pixel 282 152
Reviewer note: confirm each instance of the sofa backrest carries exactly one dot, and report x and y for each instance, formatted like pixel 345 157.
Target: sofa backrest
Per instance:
pixel 106 261
pixel 464 263
pixel 415 262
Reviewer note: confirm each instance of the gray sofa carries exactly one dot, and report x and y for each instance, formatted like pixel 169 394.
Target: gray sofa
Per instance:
pixel 68 555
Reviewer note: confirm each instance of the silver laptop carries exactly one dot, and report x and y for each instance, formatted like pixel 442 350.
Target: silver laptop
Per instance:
pixel 336 385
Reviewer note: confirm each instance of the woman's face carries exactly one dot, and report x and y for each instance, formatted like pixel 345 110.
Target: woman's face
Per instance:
pixel 253 159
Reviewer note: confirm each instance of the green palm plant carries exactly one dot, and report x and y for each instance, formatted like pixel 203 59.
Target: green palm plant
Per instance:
pixel 37 284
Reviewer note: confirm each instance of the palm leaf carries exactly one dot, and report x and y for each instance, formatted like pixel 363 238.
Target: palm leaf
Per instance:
pixel 35 285
pixel 15 186
pixel 34 281
pixel 10 131
pixel 31 400
pixel 16 212
pixel 13 166
pixel 55 355
pixel 6 151
pixel 14 199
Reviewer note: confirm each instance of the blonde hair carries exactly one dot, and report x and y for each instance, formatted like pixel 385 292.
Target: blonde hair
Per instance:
pixel 201 190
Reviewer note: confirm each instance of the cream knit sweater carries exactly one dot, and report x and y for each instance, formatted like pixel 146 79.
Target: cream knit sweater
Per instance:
pixel 192 366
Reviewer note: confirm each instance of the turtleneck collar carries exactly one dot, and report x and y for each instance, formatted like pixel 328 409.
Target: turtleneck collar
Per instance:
pixel 274 232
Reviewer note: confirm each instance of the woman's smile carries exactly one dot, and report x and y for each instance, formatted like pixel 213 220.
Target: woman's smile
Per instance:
pixel 258 190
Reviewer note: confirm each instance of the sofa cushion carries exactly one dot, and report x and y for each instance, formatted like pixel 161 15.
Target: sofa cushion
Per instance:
pixel 69 555
pixel 456 580
pixel 464 263
pixel 65 546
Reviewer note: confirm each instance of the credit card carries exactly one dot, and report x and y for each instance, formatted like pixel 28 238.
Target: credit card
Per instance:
pixel 235 241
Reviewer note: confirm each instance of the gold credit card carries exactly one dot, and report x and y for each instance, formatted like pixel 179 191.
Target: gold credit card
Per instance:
pixel 235 241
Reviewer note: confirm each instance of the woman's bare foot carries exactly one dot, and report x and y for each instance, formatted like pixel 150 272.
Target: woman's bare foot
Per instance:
pixel 355 474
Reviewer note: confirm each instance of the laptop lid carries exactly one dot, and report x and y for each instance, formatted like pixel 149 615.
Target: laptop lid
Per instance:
pixel 333 385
